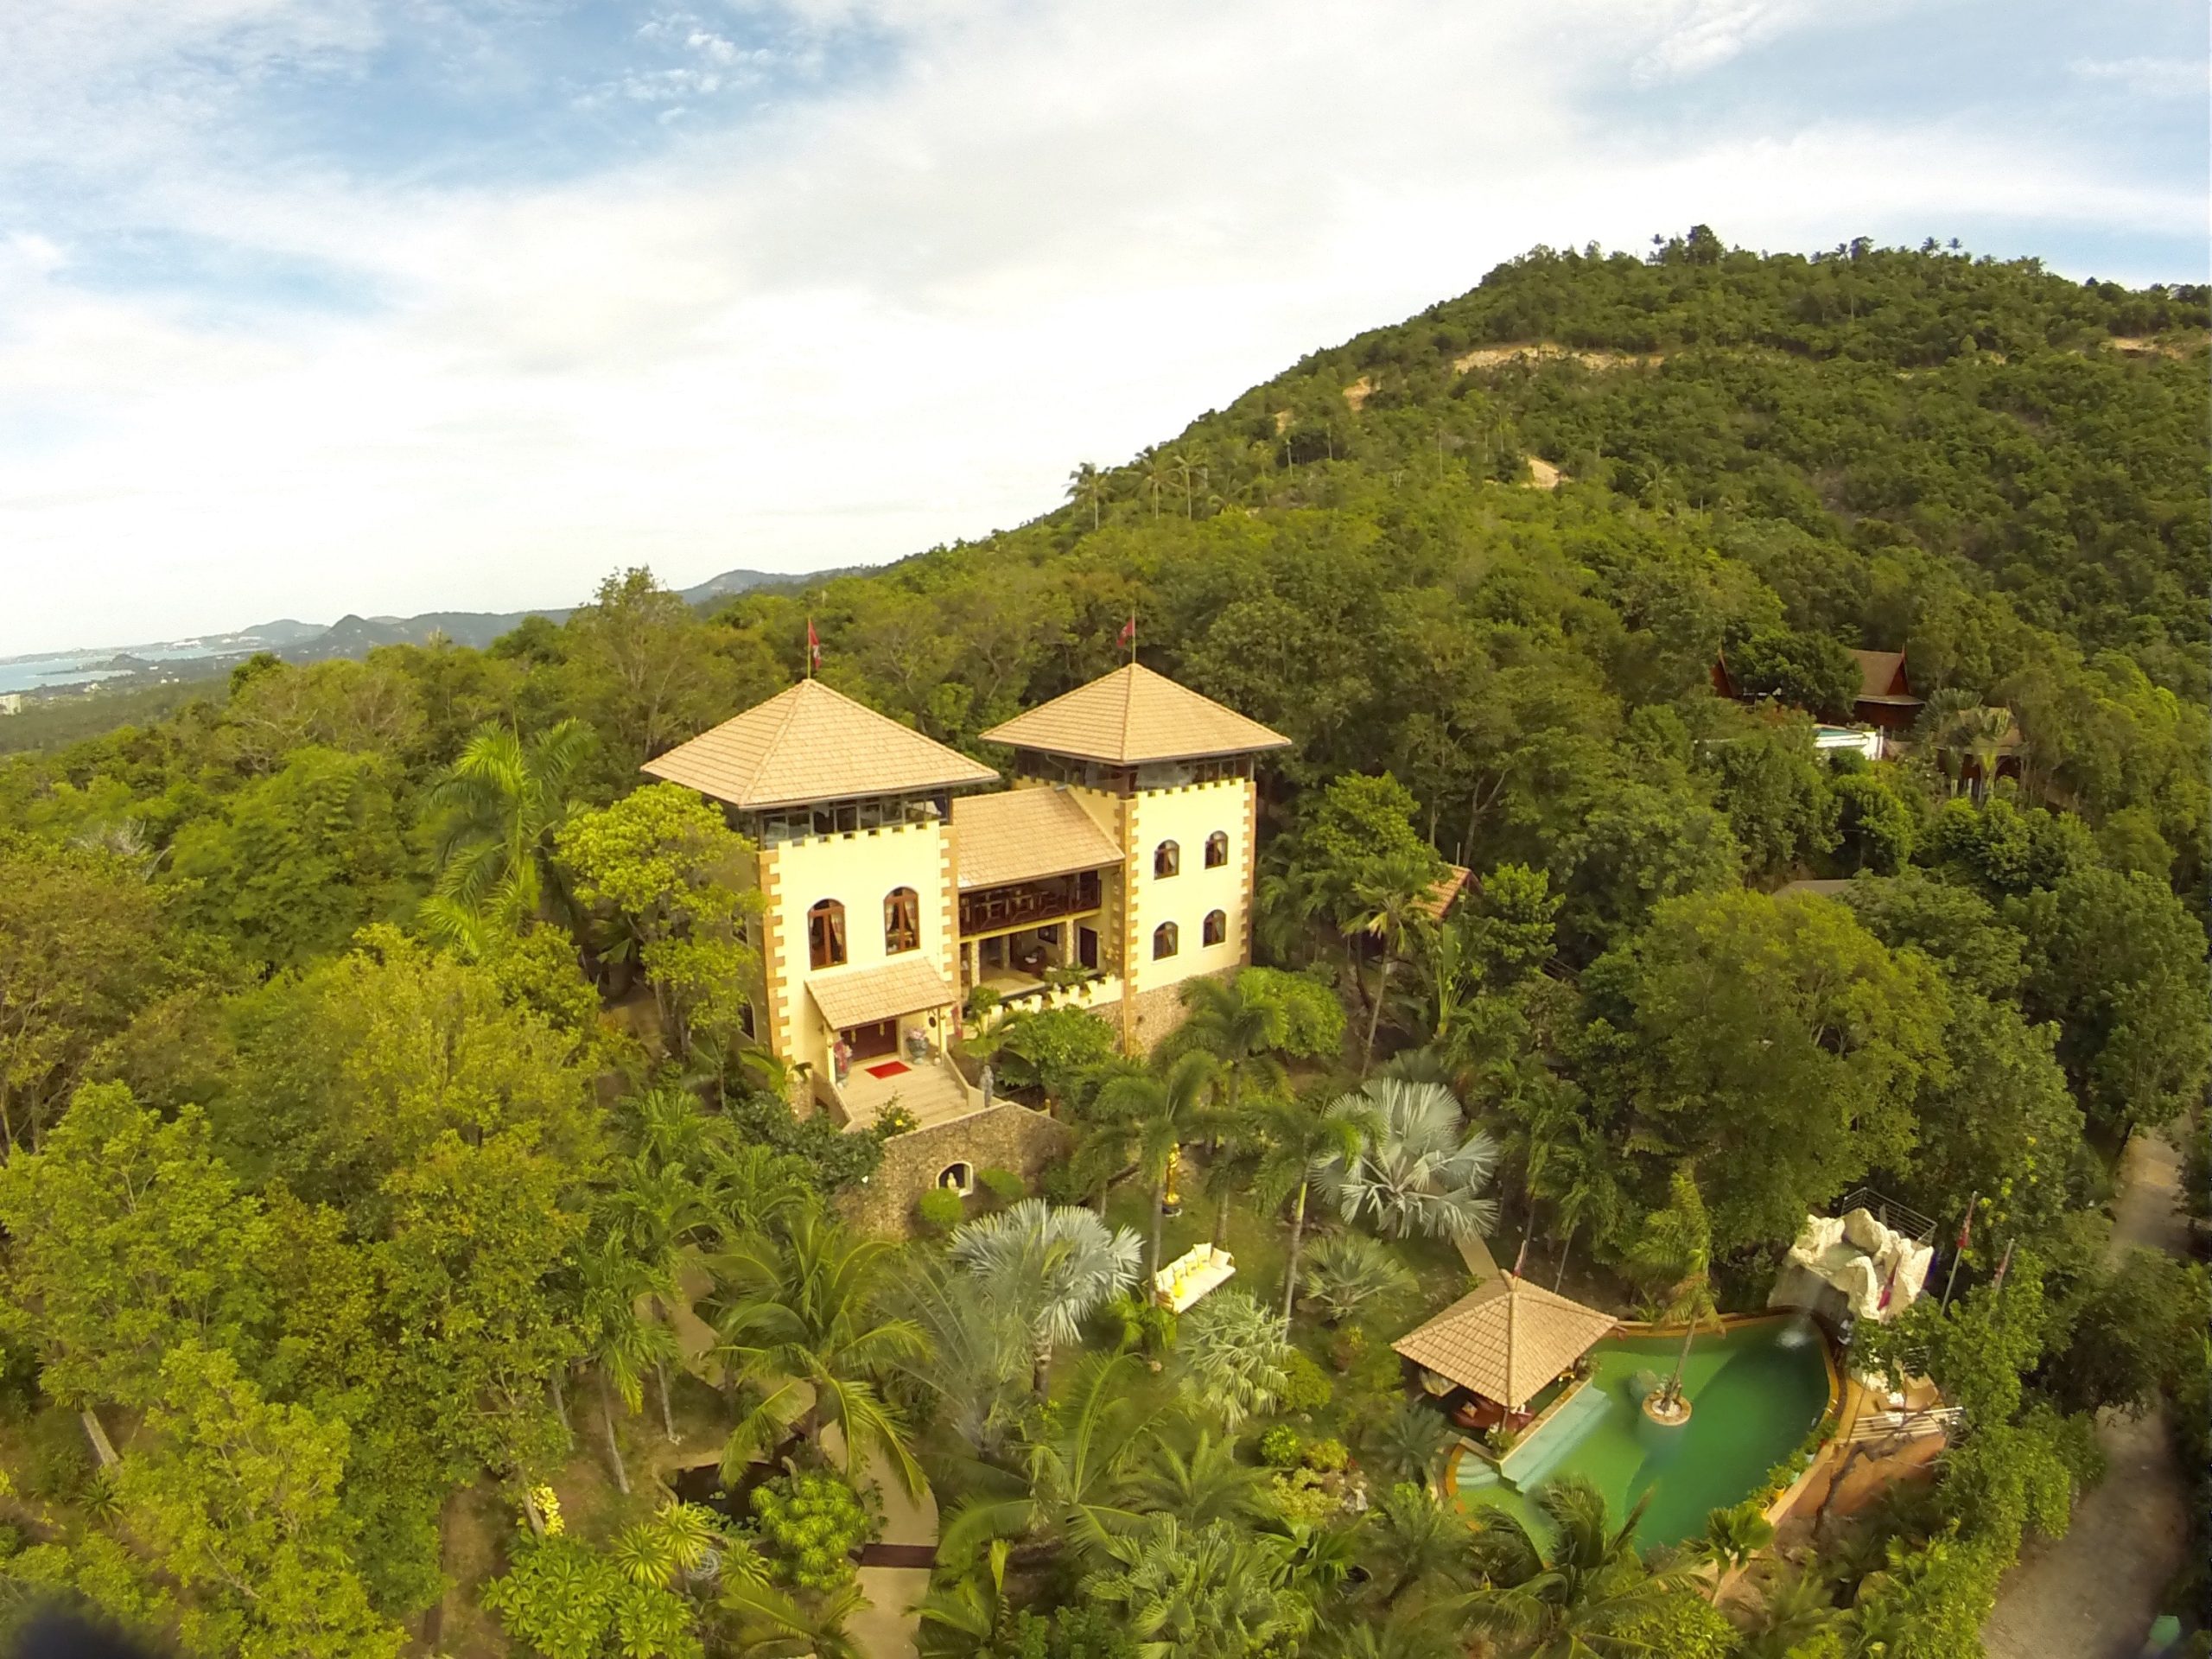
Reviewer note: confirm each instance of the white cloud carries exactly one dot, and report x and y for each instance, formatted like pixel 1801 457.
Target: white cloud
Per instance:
pixel 2149 77
pixel 862 323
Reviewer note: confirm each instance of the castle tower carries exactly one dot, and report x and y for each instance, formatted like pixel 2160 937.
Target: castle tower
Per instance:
pixel 1168 775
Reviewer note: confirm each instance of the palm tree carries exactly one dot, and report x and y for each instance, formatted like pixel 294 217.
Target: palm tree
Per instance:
pixel 1294 1141
pixel 1388 904
pixel 1585 1599
pixel 1230 1354
pixel 1581 1180
pixel 1796 1610
pixel 1408 1444
pixel 1675 1253
pixel 1202 1482
pixel 1420 1169
pixel 1733 1536
pixel 504 798
pixel 772 1623
pixel 971 1617
pixel 1154 474
pixel 1056 1264
pixel 1089 487
pixel 1244 1031
pixel 1348 1271
pixel 1071 1487
pixel 1208 1592
pixel 798 1313
pixel 654 1209
pixel 622 1345
pixel 1158 1110
pixel 1415 1543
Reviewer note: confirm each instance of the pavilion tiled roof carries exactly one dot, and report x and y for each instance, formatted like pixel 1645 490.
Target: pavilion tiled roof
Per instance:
pixel 1505 1339
pixel 861 996
pixel 1024 835
pixel 812 744
pixel 1133 715
pixel 1444 893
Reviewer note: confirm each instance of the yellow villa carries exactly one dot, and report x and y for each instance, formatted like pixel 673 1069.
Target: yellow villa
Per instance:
pixel 897 877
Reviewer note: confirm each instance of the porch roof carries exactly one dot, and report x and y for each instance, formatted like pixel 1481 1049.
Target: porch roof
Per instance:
pixel 862 997
pixel 1025 835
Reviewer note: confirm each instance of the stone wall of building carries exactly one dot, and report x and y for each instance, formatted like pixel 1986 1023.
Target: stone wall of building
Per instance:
pixel 1160 1011
pixel 1007 1137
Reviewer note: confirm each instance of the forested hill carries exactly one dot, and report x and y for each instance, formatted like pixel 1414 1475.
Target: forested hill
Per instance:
pixel 314 994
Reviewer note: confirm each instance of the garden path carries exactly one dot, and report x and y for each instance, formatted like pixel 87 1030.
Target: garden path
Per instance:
pixel 888 1628
pixel 2094 1593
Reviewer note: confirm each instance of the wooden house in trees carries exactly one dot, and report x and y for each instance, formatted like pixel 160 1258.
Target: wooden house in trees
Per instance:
pixel 907 896
pixel 1885 698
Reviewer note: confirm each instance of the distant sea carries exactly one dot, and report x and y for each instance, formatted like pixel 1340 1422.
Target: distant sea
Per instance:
pixel 80 668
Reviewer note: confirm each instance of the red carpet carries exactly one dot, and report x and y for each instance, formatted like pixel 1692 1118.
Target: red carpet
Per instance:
pixel 888 1068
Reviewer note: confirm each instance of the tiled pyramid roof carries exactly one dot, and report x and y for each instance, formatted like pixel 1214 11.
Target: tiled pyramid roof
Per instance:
pixel 812 744
pixel 1132 715
pixel 1505 1339
pixel 1024 835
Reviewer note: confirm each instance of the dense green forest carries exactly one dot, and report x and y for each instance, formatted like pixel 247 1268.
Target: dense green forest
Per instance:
pixel 392 1201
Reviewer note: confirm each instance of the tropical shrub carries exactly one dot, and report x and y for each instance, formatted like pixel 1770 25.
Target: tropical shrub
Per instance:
pixel 810 1524
pixel 1305 1385
pixel 941 1209
pixel 1281 1446
pixel 1230 1354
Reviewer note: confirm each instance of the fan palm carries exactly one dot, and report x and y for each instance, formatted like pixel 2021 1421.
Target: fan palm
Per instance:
pixel 797 1312
pixel 976 1358
pixel 1581 1601
pixel 1056 1264
pixel 1153 1113
pixel 1408 1443
pixel 1418 1552
pixel 1419 1170
pixel 1294 1141
pixel 771 1624
pixel 1349 1271
pixel 503 798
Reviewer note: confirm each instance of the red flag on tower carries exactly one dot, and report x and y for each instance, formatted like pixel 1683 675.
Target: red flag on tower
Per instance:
pixel 1128 634
pixel 813 648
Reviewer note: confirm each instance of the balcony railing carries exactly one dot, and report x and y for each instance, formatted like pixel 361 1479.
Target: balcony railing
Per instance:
pixel 1028 904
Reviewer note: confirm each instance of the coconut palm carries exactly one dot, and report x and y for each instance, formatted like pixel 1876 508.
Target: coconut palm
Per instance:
pixel 1230 1354
pixel 1417 1551
pixel 1585 1598
pixel 1674 1255
pixel 1389 901
pixel 797 1312
pixel 503 798
pixel 655 1209
pixel 1244 1030
pixel 1349 1271
pixel 1208 1592
pixel 1581 1178
pixel 1089 487
pixel 1152 1112
pixel 1420 1169
pixel 1294 1141
pixel 1200 1480
pixel 1070 1489
pixel 623 1346
pixel 1055 1264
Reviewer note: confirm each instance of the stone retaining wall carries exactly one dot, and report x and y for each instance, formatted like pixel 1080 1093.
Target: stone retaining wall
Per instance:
pixel 1007 1136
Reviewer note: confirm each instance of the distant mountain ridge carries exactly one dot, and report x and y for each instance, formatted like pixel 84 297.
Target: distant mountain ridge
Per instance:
pixel 352 635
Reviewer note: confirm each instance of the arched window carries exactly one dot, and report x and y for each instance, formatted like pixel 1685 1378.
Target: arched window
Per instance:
pixel 956 1177
pixel 902 920
pixel 825 934
pixel 1163 941
pixel 1217 849
pixel 1167 859
pixel 1217 927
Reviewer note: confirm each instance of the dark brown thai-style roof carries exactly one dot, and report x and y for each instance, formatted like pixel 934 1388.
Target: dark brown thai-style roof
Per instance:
pixel 1881 678
pixel 1506 1339
pixel 1133 715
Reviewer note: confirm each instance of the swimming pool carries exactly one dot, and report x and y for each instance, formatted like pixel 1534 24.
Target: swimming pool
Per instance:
pixel 1755 1389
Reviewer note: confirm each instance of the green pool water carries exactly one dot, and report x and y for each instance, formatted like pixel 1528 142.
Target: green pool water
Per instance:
pixel 1755 1391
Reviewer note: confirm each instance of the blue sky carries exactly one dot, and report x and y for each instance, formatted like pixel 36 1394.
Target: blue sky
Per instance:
pixel 310 306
